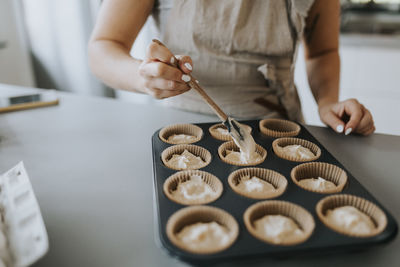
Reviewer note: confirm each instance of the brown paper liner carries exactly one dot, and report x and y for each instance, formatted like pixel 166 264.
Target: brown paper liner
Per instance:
pixel 277 207
pixel 279 128
pixel 367 207
pixel 188 129
pixel 270 176
pixel 194 214
pixel 279 143
pixel 178 149
pixel 217 135
pixel 232 146
pixel 171 184
pixel 327 171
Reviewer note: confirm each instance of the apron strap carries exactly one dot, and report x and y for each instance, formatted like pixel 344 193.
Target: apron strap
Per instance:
pixel 293 30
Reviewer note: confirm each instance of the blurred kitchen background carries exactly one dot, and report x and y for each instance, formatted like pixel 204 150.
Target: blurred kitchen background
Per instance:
pixel 43 43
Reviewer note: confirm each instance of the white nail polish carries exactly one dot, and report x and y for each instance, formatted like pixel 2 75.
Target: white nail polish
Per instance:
pixel 185 78
pixel 172 60
pixel 188 66
pixel 197 81
pixel 339 128
pixel 348 131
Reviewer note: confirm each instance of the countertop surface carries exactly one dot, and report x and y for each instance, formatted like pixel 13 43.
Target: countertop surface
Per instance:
pixel 89 161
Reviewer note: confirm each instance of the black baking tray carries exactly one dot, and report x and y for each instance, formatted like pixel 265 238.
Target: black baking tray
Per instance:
pixel 322 240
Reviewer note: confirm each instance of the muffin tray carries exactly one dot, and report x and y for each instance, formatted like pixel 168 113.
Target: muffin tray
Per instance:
pixel 323 239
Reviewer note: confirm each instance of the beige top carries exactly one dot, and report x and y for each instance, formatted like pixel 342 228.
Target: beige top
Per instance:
pixel 243 52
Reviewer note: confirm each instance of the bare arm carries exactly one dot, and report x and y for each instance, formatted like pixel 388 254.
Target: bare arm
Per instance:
pixel 321 51
pixel 117 26
pixel 321 42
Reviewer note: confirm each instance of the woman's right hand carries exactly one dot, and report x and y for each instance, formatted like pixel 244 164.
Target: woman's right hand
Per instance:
pixel 159 78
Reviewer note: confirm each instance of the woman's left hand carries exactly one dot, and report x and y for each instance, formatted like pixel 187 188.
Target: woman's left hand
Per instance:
pixel 359 118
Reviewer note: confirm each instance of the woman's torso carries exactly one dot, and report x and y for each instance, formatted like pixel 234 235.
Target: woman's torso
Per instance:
pixel 228 41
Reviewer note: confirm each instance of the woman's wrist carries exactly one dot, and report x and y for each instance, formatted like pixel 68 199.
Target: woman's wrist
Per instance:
pixel 325 102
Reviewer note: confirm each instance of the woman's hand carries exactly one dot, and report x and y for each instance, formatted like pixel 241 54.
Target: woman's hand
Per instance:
pixel 359 118
pixel 159 78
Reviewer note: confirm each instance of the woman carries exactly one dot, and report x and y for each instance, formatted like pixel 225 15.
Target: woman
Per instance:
pixel 244 53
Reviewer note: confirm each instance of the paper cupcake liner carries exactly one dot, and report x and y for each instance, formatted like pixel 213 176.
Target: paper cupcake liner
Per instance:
pixel 277 207
pixel 217 135
pixel 198 151
pixel 270 176
pixel 367 207
pixel 194 214
pixel 174 180
pixel 327 171
pixel 188 129
pixel 279 143
pixel 279 128
pixel 232 146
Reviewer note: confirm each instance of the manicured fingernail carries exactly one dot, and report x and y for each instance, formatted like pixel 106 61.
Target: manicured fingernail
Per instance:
pixel 172 60
pixel 188 66
pixel 185 78
pixel 348 131
pixel 339 129
pixel 197 81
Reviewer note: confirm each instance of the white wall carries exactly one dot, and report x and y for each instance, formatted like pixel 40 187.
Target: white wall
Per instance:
pixel 15 64
pixel 58 33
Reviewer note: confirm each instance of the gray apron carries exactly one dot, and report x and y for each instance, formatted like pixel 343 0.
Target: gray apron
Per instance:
pixel 243 52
